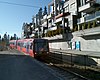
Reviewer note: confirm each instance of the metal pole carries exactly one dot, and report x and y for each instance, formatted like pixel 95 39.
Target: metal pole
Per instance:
pixel 71 60
pixel 85 62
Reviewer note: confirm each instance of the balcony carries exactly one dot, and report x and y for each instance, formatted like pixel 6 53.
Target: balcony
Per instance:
pixel 89 6
pixel 95 1
pixel 62 15
pixel 50 16
pixel 58 20
pixel 44 24
pixel 66 3
pixel 59 15
pixel 92 16
pixel 86 8
pixel 97 14
pixel 80 20
pixel 45 17
pixel 52 28
pixel 88 18
pixel 87 32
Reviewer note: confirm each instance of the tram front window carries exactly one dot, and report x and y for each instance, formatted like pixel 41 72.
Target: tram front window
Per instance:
pixel 41 46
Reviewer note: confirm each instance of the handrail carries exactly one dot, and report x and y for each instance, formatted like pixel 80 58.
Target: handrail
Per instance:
pixel 75 52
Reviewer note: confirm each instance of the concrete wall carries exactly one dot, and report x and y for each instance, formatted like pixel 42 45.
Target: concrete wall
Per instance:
pixel 57 42
pixel 59 45
pixel 89 40
pixel 88 43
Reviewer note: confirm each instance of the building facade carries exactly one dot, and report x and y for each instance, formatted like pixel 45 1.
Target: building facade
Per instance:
pixel 70 24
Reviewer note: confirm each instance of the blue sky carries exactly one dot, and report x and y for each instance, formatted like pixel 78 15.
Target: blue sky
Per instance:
pixel 12 17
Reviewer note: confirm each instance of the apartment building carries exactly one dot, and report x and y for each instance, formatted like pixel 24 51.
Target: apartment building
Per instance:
pixel 62 16
pixel 88 25
pixel 90 10
pixel 26 30
pixel 71 24
pixel 81 17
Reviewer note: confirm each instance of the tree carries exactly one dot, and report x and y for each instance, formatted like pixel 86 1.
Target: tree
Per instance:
pixel 0 37
pixel 11 38
pixel 5 37
pixel 15 36
pixel 40 15
pixel 45 11
pixel 8 37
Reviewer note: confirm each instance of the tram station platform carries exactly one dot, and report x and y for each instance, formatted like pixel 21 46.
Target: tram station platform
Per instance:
pixel 21 67
pixel 88 58
pixel 77 52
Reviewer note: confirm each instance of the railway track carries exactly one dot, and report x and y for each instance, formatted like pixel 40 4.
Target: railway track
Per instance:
pixel 66 74
pixel 71 72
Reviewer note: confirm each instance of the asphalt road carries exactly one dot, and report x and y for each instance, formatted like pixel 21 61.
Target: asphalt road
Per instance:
pixel 21 67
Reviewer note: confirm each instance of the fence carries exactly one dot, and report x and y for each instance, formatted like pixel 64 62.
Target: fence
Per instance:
pixel 76 60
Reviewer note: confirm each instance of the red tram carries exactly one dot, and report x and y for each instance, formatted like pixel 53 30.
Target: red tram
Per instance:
pixel 13 44
pixel 32 47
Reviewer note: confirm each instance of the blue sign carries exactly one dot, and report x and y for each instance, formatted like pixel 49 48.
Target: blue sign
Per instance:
pixel 77 45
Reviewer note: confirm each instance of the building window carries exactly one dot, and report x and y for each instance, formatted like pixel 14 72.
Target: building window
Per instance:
pixel 83 2
pixel 66 0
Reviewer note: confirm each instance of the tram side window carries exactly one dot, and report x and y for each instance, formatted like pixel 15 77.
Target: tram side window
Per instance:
pixel 14 43
pixel 18 44
pixel 11 43
pixel 24 45
pixel 31 46
pixel 21 44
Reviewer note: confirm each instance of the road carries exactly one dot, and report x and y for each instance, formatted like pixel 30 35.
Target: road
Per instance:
pixel 15 66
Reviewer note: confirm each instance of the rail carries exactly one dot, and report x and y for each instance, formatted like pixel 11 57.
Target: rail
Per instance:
pixel 88 61
pixel 80 60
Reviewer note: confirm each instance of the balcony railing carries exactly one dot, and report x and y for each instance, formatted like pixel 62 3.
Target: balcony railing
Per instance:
pixel 97 14
pixel 93 16
pixel 78 21
pixel 93 1
pixel 90 17
pixel 97 1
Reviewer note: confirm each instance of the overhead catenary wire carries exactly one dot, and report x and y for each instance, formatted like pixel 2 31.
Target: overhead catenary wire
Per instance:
pixel 10 3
